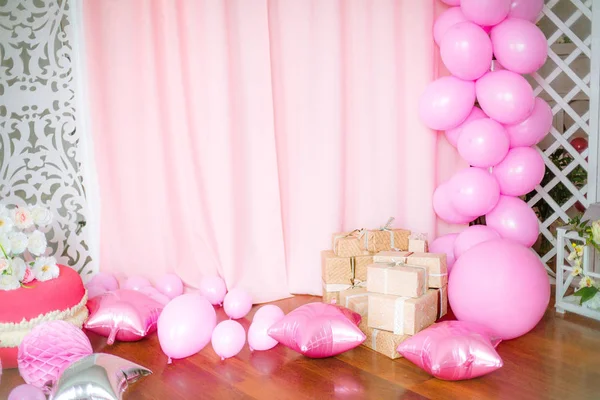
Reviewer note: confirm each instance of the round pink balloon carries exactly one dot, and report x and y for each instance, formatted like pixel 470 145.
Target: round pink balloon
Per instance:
pixel 105 280
pixel 237 303
pixel 505 96
pixel 214 289
pixel 466 51
pixel 451 2
pixel 519 45
pixel 483 143
pixel 472 236
pixel 170 285
pixel 485 12
pixel 269 313
pixel 136 283
pixel 445 244
pixel 185 325
pixel 526 9
pixel 501 285
pixel 155 295
pixel 442 205
pixel 513 219
pixel 533 129
pixel 228 338
pixel 474 192
pixel 26 392
pixel 445 21
pixel 95 290
pixel 520 172
pixel 453 134
pixel 258 336
pixel 446 103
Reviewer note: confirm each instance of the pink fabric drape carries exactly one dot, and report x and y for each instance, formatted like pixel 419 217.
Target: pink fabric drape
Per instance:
pixel 235 137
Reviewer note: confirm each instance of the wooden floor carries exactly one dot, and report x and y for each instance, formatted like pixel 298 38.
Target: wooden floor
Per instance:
pixel 560 359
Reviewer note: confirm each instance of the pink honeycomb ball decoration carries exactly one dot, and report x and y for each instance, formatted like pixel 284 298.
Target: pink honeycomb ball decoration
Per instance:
pixel 49 349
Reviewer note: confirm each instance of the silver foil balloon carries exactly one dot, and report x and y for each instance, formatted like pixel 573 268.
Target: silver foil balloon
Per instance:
pixel 97 377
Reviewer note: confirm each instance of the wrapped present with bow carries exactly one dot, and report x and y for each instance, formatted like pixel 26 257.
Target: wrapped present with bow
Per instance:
pixel 348 244
pixel 398 279
pixel 373 240
pixel 343 273
pixel 417 242
pixel 383 342
pixel 403 315
pixel 434 263
pixel 356 299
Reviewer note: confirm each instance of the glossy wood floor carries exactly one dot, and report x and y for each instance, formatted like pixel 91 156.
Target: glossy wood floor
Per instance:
pixel 560 359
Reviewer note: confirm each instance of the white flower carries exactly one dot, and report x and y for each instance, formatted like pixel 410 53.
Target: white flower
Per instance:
pixel 41 216
pixel 22 217
pixel 576 271
pixel 18 242
pixel 596 231
pixel 572 256
pixel 9 282
pixel 3 210
pixel 37 243
pixel 6 244
pixel 4 265
pixel 45 268
pixel 6 223
pixel 18 267
pixel 586 281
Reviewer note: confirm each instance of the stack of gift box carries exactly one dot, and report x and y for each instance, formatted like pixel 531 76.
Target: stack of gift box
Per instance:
pixel 389 278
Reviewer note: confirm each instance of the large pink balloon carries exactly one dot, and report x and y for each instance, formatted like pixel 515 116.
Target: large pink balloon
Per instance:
pixel 214 289
pixel 485 12
pixel 228 338
pixel 445 244
pixel 466 50
pixel 170 285
pixel 483 143
pixel 237 303
pixel 445 21
pixel 526 9
pixel 505 96
pixel 472 236
pixel 519 45
pixel 483 287
pixel 442 205
pixel 474 192
pixel 185 325
pixel 453 134
pixel 520 172
pixel 513 219
pixel 446 103
pixel 105 280
pixel 534 128
pixel 136 283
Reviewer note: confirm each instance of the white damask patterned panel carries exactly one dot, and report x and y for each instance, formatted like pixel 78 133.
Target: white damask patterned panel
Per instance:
pixel 40 154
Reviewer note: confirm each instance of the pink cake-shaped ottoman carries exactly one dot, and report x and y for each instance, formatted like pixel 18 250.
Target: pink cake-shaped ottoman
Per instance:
pixel 63 298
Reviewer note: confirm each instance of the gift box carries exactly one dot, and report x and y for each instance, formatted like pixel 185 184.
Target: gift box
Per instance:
pixel 347 244
pixel 402 315
pixel 398 257
pixel 442 296
pixel 382 342
pixel 397 279
pixel 386 239
pixel 356 299
pixel 436 267
pixel 417 242
pixel 344 270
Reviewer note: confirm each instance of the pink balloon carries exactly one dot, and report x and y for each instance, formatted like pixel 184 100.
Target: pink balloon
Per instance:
pixel 185 325
pixel 270 313
pixel 442 205
pixel 170 285
pixel 95 290
pixel 520 172
pixel 214 289
pixel 484 289
pixel 505 96
pixel 105 280
pixel 466 50
pixel 445 244
pixel 446 103
pixel 26 392
pixel 526 9
pixel 228 339
pixel 453 350
pixel 451 2
pixel 445 21
pixel 485 12
pixel 136 283
pixel 519 45
pixel 258 336
pixel 474 191
pixel 155 295
pixel 513 219
pixel 453 134
pixel 237 303
pixel 483 143
pixel 472 236
pixel 533 129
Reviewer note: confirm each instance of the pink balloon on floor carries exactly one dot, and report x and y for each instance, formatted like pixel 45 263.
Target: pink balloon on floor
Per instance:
pixel 454 134
pixel 526 9
pixel 483 143
pixel 474 192
pixel 446 103
pixel 513 219
pixel 136 283
pixel 269 312
pixel 170 285
pixel 485 12
pixel 105 280
pixel 505 96
pixel 519 45
pixel 533 129
pixel 228 338
pixel 237 303
pixel 445 21
pixel 258 336
pixel 451 2
pixel 466 51
pixel 26 392
pixel 154 294
pixel 442 205
pixel 445 244
pixel 471 237
pixel 520 172
pixel 502 285
pixel 214 289
pixel 95 290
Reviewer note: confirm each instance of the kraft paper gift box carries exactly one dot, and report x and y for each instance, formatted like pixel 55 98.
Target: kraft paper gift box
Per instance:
pixel 382 342
pixel 402 315
pixel 347 244
pixel 341 273
pixel 386 239
pixel 397 279
pixel 436 267
pixel 442 296
pixel 356 299
pixel 417 242
pixel 399 257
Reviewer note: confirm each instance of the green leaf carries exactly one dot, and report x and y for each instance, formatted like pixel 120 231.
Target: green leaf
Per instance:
pixel 586 293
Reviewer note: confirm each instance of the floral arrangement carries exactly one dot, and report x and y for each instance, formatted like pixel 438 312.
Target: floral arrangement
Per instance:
pixel 589 289
pixel 23 245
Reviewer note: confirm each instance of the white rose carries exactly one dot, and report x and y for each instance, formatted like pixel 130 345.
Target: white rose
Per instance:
pixel 6 244
pixel 6 223
pixel 9 282
pixel 18 268
pixel 18 242
pixel 22 217
pixel 41 216
pixel 37 243
pixel 45 268
pixel 596 232
pixel 4 265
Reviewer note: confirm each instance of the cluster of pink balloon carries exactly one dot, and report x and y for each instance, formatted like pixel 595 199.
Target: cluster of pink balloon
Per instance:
pixel 167 287
pixel 496 140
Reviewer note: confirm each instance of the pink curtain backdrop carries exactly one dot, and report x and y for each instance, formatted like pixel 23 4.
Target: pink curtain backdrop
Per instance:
pixel 235 137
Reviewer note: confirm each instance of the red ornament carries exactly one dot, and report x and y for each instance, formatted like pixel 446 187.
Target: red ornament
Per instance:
pixel 579 144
